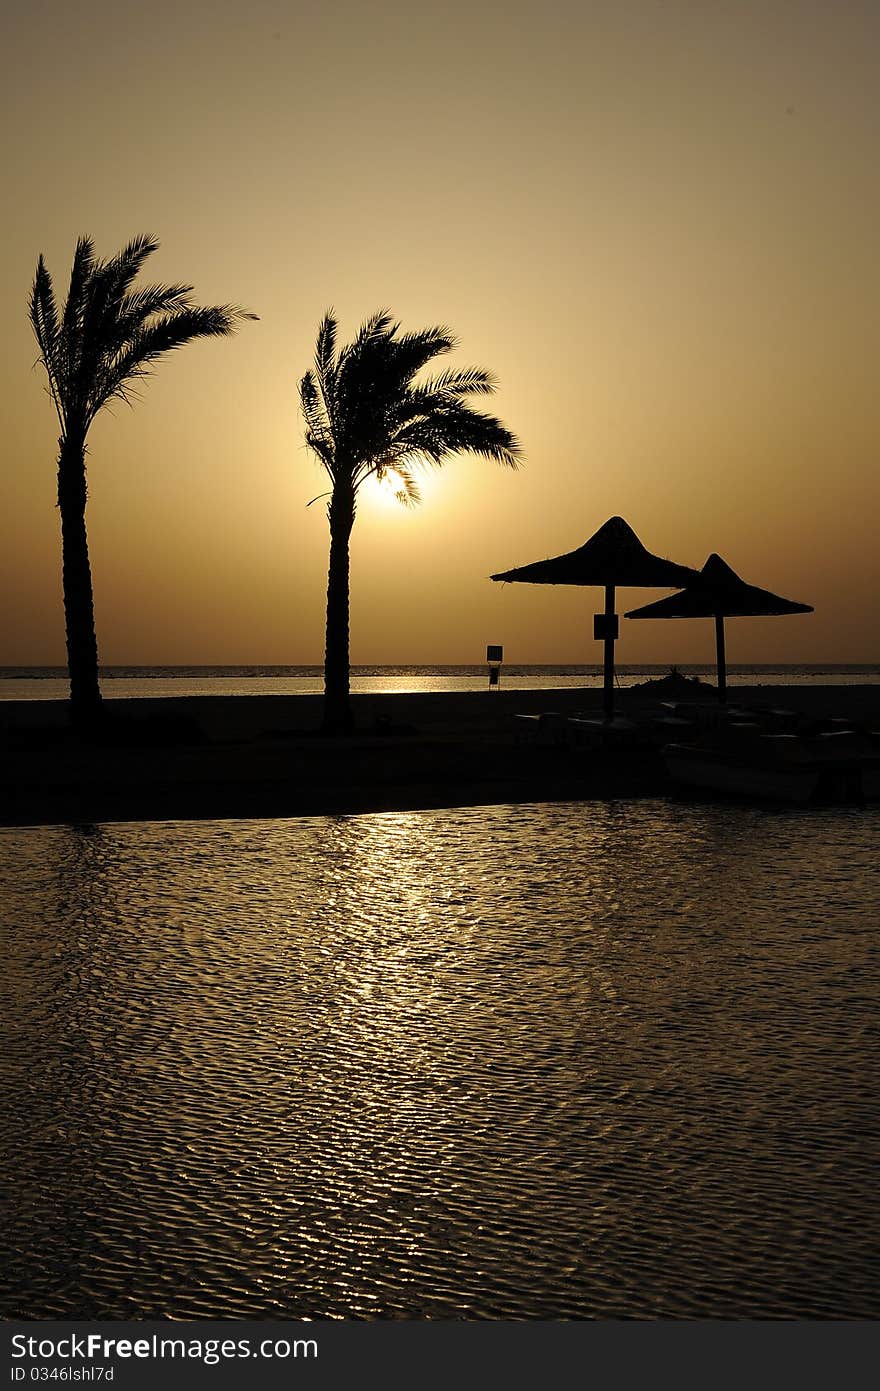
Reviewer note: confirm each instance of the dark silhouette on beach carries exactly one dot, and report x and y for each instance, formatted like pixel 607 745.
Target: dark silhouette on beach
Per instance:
pixel 612 556
pixel 367 417
pixel 718 592
pixel 104 341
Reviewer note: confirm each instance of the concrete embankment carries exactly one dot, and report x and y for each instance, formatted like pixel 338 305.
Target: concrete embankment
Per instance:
pixel 250 756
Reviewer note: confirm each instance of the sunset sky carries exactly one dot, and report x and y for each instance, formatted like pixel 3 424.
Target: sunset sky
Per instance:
pixel 658 224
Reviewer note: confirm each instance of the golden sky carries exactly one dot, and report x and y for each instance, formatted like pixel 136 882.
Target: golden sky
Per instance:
pixel 656 223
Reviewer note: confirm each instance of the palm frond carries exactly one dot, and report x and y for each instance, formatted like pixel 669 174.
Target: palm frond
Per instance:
pixel 109 335
pixel 439 394
pixel 467 381
pixel 326 366
pixel 133 312
pixel 378 328
pixel 81 272
pixel 325 349
pixel 80 275
pixel 319 434
pixel 408 493
pixel 379 325
pixel 325 452
pixel 155 299
pixel 312 405
pixel 122 270
pixel 152 341
pixel 106 292
pixel 391 467
pixel 366 416
pixel 170 331
pixel 95 329
pixel 43 311
pixel 413 351
pixel 459 430
pixel 47 331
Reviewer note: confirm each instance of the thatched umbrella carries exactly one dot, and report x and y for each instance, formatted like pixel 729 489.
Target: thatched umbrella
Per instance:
pixel 613 556
pixel 718 592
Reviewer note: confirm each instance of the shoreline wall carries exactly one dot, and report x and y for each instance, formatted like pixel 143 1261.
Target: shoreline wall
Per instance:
pixel 246 717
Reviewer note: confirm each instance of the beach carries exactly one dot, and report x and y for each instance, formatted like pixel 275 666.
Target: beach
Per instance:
pixel 257 756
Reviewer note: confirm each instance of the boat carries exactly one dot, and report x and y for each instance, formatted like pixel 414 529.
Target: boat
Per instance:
pixel 741 759
pixel 847 764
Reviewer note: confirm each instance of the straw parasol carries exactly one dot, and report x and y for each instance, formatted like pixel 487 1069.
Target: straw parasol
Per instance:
pixel 718 592
pixel 613 556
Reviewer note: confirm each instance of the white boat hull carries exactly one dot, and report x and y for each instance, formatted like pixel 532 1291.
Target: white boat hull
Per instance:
pixel 830 768
pixel 710 772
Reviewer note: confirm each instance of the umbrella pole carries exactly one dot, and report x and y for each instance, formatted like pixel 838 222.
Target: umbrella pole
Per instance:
pixel 720 663
pixel 608 684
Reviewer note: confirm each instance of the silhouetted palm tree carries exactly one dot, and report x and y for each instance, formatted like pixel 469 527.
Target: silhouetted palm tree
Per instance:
pixel 107 338
pixel 366 417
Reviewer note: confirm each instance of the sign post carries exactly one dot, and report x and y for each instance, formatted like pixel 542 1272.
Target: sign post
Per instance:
pixel 494 657
pixel 605 630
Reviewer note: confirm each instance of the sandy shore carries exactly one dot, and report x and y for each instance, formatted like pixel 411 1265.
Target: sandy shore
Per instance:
pixel 249 756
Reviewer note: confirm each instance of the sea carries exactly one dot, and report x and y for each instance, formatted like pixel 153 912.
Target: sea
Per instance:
pixel 50 683
pixel 600 1059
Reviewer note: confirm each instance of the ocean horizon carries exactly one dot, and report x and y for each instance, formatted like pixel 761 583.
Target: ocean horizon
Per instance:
pixel 130 681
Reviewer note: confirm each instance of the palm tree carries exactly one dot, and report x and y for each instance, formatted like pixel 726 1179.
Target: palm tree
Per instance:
pixel 367 417
pixel 103 342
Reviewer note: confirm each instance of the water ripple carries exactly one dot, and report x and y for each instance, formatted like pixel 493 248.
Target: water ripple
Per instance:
pixel 559 1061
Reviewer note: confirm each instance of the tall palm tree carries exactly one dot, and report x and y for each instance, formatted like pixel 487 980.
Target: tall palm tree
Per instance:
pixel 367 417
pixel 105 340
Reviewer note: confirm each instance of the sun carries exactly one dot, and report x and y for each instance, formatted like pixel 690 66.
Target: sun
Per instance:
pixel 383 492
pixel 389 494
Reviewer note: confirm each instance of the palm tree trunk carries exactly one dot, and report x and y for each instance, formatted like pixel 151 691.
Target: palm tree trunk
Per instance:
pixel 338 718
pixel 76 579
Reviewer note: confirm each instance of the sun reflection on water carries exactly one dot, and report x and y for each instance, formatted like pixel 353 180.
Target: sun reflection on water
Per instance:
pixel 481 1063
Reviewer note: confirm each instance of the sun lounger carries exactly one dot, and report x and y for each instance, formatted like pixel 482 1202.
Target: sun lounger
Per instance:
pixel 549 729
pixel 617 733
